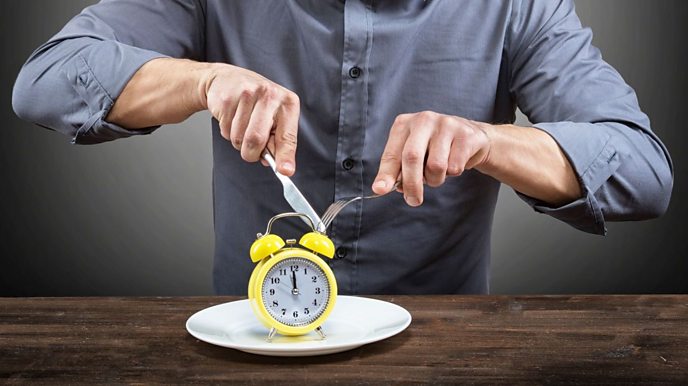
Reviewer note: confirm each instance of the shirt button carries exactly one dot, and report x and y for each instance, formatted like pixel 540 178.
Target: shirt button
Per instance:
pixel 348 164
pixel 341 252
pixel 355 72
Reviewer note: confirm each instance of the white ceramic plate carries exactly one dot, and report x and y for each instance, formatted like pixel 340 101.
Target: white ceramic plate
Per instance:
pixel 354 321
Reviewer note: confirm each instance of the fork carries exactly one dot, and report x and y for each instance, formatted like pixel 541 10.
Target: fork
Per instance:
pixel 337 206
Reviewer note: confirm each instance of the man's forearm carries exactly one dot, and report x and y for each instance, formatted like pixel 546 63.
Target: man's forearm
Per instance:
pixel 162 91
pixel 252 112
pixel 531 162
pixel 427 147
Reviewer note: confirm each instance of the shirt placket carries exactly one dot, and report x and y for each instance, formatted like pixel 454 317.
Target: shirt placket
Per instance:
pixel 351 136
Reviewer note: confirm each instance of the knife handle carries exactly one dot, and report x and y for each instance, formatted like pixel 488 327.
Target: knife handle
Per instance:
pixel 267 156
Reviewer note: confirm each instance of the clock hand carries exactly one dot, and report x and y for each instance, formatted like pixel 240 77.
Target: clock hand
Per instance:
pixel 294 291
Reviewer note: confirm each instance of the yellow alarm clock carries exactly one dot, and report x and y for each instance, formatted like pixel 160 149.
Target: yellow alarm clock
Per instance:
pixel 292 290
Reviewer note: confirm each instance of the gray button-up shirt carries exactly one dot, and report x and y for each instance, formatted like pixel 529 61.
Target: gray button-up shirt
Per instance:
pixel 356 65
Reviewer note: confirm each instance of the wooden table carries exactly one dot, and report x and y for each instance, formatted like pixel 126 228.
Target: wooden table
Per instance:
pixel 452 339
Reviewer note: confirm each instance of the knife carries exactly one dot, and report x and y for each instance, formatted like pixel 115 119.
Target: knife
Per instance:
pixel 294 196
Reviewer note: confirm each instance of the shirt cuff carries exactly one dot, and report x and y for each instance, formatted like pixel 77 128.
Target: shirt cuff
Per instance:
pixel 99 73
pixel 594 158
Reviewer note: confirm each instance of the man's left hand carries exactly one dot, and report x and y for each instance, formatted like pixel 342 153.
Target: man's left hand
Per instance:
pixel 426 147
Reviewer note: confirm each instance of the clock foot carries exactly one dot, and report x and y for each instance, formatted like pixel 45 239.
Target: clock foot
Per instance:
pixel 320 332
pixel 271 334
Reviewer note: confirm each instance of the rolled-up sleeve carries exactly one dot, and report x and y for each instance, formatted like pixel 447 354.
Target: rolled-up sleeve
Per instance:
pixel 70 83
pixel 559 80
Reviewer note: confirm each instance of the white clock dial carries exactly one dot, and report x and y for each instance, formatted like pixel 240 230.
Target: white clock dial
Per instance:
pixel 295 291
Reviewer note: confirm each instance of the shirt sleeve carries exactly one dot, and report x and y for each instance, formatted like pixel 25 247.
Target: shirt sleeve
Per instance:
pixel 559 80
pixel 70 83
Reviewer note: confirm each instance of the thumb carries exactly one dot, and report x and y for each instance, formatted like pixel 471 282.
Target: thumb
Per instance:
pixel 390 167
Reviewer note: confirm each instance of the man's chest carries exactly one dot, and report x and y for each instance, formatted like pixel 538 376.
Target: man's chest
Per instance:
pixel 444 56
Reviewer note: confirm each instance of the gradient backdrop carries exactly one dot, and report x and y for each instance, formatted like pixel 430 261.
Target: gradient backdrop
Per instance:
pixel 133 217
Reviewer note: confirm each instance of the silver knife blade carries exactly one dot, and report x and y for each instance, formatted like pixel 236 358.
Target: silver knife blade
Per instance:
pixel 294 196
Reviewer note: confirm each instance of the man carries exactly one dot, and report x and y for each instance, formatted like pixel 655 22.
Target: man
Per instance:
pixel 374 91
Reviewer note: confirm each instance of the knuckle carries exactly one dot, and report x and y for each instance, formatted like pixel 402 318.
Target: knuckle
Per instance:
pixel 454 170
pixel 412 156
pixel 263 87
pixel 291 99
pixel 461 125
pixel 423 120
pixel 436 166
pixel 401 119
pixel 248 93
pixel 397 129
pixel 447 124
pixel 426 115
pixel 254 139
pixel 236 142
pixel 225 99
pixel 269 92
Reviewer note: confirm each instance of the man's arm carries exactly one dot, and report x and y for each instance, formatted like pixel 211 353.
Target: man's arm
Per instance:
pixel 428 147
pixel 591 155
pixel 70 83
pixel 253 112
pixel 113 72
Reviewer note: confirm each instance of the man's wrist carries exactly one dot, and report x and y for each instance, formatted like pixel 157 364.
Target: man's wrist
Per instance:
pixel 203 75
pixel 492 133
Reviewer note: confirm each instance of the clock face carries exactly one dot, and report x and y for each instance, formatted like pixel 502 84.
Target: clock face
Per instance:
pixel 295 291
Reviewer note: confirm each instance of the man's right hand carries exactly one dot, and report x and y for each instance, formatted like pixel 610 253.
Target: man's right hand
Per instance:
pixel 254 113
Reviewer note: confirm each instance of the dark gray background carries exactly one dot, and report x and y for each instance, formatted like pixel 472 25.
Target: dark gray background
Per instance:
pixel 133 217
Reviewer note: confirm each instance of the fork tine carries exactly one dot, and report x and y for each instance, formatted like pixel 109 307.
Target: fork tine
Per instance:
pixel 334 210
pixel 337 206
pixel 331 212
pixel 327 216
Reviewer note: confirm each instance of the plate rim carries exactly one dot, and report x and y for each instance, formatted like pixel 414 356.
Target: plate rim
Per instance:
pixel 310 351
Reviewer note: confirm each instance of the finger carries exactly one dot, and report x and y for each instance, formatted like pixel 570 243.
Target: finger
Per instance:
pixel 390 161
pixel 413 159
pixel 225 116
pixel 225 123
pixel 259 126
pixel 271 147
pixel 438 157
pixel 286 132
pixel 239 122
pixel 458 156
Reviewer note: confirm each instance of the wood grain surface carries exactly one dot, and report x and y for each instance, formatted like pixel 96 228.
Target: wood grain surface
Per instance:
pixel 453 339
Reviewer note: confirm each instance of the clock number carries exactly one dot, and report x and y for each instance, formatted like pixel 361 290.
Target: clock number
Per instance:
pixel 305 271
pixel 317 290
pixel 295 268
pixel 283 272
pixel 275 303
pixel 296 314
pixel 306 311
pixel 314 279
pixel 284 311
pixel 315 302
pixel 272 291
pixel 274 280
